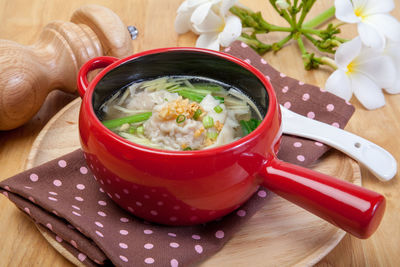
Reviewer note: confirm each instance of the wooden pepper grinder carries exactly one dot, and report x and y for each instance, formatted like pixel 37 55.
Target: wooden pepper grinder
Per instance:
pixel 29 73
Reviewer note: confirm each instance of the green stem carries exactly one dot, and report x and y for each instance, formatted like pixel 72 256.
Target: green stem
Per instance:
pixel 311 31
pixel 283 13
pixel 342 40
pixel 286 16
pixel 272 2
pixel 285 40
pixel 248 41
pixel 254 43
pixel 335 42
pixel 303 15
pixel 311 39
pixel 329 62
pixel 294 17
pixel 339 24
pixel 277 46
pixel 301 46
pixel 274 28
pixel 321 18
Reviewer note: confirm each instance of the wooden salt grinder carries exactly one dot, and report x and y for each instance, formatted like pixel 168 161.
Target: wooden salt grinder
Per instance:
pixel 29 73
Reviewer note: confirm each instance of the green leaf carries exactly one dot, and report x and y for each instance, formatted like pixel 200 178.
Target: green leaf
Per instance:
pixel 249 125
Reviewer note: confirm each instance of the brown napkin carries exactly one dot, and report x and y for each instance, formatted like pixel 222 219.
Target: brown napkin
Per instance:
pixel 63 198
pixel 305 99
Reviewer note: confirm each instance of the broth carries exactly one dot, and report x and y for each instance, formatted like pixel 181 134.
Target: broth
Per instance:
pixel 180 113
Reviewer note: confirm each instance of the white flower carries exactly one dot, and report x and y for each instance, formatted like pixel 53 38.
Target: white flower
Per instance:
pixel 392 50
pixel 209 19
pixel 373 20
pixel 363 71
pixel 185 11
pixel 282 4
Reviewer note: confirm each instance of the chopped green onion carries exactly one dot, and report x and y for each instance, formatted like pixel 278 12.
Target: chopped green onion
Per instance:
pixel 132 130
pixel 140 130
pixel 218 109
pixel 197 114
pixel 181 118
pixel 197 91
pixel 220 98
pixel 208 122
pixel 114 123
pixel 190 95
pixel 249 126
pixel 191 90
pixel 187 148
pixel 212 134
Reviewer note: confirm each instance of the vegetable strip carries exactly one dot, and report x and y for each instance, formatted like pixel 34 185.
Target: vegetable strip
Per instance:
pixel 209 87
pixel 249 126
pixel 114 123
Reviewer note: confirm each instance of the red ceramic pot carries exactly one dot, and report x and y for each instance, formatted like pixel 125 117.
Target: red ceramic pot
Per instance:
pixel 192 187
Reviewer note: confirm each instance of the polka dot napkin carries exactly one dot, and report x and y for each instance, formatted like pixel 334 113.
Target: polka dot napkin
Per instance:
pixel 305 99
pixel 66 202
pixel 63 198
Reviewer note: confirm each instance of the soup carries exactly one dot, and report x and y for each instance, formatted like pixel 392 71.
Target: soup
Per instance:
pixel 180 113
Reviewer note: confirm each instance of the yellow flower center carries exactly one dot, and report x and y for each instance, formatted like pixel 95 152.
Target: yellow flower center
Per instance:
pixel 350 68
pixel 359 13
pixel 221 27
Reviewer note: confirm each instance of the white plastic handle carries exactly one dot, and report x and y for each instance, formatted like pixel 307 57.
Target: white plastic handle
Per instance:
pixel 380 162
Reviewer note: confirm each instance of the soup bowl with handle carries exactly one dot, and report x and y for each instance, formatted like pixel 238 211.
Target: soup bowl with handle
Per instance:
pixel 193 187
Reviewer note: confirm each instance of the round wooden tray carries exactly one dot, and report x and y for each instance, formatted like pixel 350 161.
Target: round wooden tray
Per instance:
pixel 280 234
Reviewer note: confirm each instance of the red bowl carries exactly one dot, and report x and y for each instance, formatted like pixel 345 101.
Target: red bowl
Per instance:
pixel 192 187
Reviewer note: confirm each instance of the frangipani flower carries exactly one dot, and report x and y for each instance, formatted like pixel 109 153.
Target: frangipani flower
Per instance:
pixel 373 20
pixel 185 11
pixel 392 50
pixel 211 20
pixel 362 71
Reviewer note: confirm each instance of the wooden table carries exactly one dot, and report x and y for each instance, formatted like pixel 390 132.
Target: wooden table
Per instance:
pixel 22 20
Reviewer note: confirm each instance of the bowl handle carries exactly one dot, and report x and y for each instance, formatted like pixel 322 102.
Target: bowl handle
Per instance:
pixel 355 209
pixel 94 63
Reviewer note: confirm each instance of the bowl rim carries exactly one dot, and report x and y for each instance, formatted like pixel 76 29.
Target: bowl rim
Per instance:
pixel 272 105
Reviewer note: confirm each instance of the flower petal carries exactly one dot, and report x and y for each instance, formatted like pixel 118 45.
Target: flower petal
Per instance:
pixel 195 3
pixel 344 11
pixel 232 30
pixel 367 92
pixel 339 84
pixel 347 52
pixel 376 7
pixel 190 5
pixel 359 3
pixel 182 22
pixel 393 51
pixel 212 23
pixel 394 88
pixel 379 69
pixel 225 6
pixel 208 40
pixel 386 24
pixel 200 13
pixel 184 7
pixel 370 36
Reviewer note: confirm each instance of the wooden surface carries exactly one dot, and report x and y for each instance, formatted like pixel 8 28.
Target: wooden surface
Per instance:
pixel 263 234
pixel 23 20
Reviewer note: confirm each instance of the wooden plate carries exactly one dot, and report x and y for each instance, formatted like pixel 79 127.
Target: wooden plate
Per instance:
pixel 280 234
